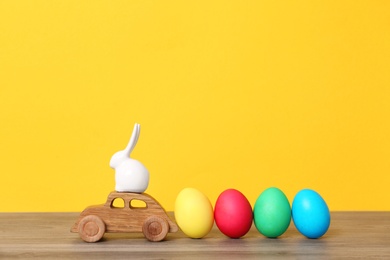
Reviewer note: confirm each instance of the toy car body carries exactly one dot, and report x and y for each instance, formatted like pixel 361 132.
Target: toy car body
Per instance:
pixel 150 219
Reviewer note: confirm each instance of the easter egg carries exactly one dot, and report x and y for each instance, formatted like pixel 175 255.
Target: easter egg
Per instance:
pixel 194 213
pixel 272 212
pixel 233 213
pixel 310 213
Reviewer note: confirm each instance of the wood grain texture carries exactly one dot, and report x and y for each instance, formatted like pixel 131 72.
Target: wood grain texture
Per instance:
pixel 127 218
pixel 363 235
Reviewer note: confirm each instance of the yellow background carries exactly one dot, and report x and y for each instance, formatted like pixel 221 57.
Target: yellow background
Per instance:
pixel 229 94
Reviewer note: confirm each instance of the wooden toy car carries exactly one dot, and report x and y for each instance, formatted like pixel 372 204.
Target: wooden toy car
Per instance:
pixel 150 219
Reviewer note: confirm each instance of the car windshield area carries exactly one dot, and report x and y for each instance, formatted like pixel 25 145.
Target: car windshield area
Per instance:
pixel 120 203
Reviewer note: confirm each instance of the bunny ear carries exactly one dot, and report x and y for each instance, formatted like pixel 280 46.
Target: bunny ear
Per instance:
pixel 133 139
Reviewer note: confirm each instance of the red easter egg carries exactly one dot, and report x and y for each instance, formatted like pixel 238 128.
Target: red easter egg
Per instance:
pixel 233 213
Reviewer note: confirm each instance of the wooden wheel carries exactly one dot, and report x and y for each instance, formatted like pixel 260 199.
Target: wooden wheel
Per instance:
pixel 155 228
pixel 91 228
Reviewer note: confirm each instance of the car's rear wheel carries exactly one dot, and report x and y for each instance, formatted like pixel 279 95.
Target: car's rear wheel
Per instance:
pixel 155 228
pixel 91 228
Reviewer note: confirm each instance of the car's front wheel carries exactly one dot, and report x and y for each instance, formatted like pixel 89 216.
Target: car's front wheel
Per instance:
pixel 155 228
pixel 91 228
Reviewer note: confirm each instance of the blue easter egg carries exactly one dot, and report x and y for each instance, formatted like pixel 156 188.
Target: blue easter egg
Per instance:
pixel 310 214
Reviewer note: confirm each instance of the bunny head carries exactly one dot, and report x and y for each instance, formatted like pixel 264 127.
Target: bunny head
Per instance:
pixel 130 174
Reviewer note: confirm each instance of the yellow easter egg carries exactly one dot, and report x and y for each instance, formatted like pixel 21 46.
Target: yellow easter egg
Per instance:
pixel 194 213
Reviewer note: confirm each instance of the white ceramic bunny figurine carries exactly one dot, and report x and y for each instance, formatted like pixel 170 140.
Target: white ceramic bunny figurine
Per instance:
pixel 130 174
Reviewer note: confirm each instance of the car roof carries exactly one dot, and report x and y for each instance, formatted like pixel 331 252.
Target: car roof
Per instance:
pixel 128 196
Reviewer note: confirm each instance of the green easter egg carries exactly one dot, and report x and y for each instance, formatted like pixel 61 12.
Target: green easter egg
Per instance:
pixel 272 213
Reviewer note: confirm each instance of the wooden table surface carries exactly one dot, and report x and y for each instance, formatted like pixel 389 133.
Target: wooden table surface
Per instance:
pixel 362 235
